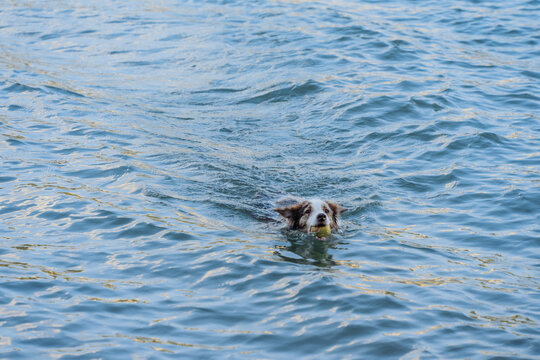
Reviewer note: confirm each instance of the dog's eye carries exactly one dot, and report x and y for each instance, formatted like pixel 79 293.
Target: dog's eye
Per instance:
pixel 326 211
pixel 308 211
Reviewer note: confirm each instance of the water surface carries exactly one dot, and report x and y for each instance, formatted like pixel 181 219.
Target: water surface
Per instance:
pixel 143 145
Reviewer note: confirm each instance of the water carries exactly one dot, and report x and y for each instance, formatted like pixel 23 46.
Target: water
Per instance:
pixel 143 145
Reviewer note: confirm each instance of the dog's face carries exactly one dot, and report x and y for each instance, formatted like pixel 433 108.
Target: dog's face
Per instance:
pixel 311 214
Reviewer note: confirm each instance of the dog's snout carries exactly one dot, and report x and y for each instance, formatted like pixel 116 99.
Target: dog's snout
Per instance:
pixel 321 217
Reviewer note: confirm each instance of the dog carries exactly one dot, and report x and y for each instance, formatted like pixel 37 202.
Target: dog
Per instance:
pixel 309 215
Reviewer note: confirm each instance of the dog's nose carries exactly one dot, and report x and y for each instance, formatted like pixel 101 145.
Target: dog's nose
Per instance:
pixel 321 217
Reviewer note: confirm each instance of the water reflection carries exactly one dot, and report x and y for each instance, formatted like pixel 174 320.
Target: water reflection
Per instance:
pixel 309 250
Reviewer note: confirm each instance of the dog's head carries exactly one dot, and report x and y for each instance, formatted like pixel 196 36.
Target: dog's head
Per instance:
pixel 310 214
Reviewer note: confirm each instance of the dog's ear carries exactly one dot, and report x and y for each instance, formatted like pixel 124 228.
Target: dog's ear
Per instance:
pixel 337 209
pixel 290 212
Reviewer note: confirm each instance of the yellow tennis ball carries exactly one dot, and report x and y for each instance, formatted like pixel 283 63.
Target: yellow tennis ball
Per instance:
pixel 324 231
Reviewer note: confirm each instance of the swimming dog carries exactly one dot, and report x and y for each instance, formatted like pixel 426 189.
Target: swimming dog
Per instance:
pixel 310 215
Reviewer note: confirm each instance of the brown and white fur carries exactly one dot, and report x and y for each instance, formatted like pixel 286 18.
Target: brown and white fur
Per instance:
pixel 308 215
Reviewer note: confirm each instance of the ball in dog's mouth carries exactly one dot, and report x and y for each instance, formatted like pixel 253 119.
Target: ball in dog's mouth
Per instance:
pixel 321 231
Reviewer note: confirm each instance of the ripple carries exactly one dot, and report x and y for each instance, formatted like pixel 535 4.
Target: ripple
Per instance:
pixel 114 172
pixel 426 183
pixel 54 215
pixel 140 229
pixel 480 141
pixel 355 30
pixel 21 88
pixel 7 178
pixel 64 91
pixel 398 54
pixel 285 93
pixel 15 107
pixel 107 221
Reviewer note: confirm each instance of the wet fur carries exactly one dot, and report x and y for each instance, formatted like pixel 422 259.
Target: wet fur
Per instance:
pixel 298 215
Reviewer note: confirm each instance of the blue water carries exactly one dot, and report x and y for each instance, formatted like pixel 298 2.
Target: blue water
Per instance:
pixel 143 145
